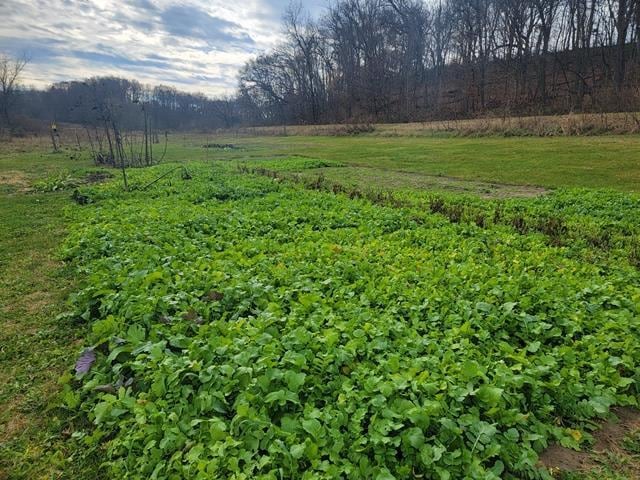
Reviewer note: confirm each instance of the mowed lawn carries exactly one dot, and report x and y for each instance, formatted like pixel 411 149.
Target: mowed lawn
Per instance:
pixel 36 346
pixel 598 162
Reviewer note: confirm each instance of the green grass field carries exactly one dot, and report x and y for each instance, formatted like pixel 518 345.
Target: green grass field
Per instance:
pixel 599 162
pixel 443 188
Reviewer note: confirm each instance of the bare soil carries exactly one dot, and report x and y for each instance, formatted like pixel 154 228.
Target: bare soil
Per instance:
pixel 609 440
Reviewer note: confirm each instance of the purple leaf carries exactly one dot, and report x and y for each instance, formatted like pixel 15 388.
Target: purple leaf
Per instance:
pixel 84 362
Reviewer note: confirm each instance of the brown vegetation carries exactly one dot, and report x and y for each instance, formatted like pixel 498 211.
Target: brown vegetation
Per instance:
pixel 546 125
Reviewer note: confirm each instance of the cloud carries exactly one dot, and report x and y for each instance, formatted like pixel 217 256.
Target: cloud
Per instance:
pixel 119 60
pixel 146 5
pixel 36 50
pixel 193 22
pixel 196 45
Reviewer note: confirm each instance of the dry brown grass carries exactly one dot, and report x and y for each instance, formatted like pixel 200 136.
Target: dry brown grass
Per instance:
pixel 549 125
pixel 14 178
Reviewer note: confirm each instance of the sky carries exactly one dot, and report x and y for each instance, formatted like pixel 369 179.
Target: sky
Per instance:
pixel 193 45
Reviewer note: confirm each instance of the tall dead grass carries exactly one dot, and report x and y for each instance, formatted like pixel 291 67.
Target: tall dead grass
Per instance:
pixel 539 126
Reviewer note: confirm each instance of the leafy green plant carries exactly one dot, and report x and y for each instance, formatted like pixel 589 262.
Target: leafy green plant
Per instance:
pixel 246 327
pixel 70 181
pixel 57 183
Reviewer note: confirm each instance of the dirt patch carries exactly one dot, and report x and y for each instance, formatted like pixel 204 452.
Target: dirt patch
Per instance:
pixel 559 458
pixel 15 179
pixel 609 440
pixel 221 146
pixel 15 425
pixel 516 191
pixel 612 433
pixel 97 177
pixel 36 302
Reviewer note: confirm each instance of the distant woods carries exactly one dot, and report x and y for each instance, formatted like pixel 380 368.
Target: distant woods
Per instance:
pixel 133 106
pixel 367 61
pixel 404 60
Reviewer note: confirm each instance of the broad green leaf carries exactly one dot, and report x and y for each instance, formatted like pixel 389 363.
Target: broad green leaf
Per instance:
pixel 489 394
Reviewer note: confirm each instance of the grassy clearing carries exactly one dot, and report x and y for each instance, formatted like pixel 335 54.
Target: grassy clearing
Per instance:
pixel 593 162
pixel 600 162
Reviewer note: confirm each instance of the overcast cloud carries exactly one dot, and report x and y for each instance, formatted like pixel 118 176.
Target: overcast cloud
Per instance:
pixel 196 45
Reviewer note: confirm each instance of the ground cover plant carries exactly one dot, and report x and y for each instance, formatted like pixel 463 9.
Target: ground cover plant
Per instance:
pixel 595 224
pixel 245 326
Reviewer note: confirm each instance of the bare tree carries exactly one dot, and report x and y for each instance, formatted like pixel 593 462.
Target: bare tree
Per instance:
pixel 10 71
pixel 546 11
pixel 621 13
pixel 412 26
pixel 304 40
pixel 439 45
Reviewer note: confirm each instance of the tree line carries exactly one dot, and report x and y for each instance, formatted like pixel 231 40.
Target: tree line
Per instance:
pixel 385 60
pixel 128 102
pixel 403 60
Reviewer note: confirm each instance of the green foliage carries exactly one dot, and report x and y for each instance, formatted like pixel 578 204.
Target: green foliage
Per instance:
pixel 590 223
pixel 70 180
pixel 291 163
pixel 593 223
pixel 56 183
pixel 248 328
